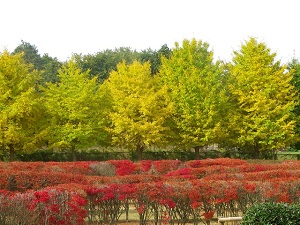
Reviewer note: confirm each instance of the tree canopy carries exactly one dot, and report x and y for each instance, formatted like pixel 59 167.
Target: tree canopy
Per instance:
pixel 74 110
pixel 195 87
pixel 180 98
pixel 18 105
pixel 140 108
pixel 265 99
pixel 47 65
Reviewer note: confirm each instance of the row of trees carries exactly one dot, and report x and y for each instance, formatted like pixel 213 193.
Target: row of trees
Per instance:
pixel 179 97
pixel 99 65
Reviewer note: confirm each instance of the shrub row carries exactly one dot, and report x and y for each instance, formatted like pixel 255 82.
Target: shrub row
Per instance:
pixel 193 201
pixel 166 191
pixel 48 155
pixel 43 207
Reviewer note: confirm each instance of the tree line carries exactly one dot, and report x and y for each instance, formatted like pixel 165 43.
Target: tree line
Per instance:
pixel 179 97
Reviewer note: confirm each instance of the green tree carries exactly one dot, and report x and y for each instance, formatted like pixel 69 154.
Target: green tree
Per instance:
pixel 19 111
pixel 30 54
pixel 294 67
pixel 75 110
pixel 265 99
pixel 102 63
pixel 196 88
pixel 140 108
pixel 154 57
pixel 46 64
pixel 50 67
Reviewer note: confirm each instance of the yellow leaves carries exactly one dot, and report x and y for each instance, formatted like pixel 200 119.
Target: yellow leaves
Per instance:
pixel 74 108
pixel 17 101
pixel 197 92
pixel 265 97
pixel 140 107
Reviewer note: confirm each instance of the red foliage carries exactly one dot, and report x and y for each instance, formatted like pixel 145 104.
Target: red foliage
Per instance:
pixel 145 165
pixel 208 215
pixel 25 180
pixel 165 166
pixel 219 161
pixel 44 207
pixel 169 187
pixel 124 167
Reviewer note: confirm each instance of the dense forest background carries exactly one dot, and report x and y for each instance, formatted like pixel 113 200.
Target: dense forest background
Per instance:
pixel 179 98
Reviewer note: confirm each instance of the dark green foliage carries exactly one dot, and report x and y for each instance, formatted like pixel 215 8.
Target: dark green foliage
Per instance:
pixel 99 64
pixel 50 69
pixel 295 66
pixel 47 64
pixel 154 57
pixel 48 155
pixel 272 214
pixel 31 54
pixel 102 63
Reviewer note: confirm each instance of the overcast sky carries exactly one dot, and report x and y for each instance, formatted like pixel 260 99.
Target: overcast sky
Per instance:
pixel 63 27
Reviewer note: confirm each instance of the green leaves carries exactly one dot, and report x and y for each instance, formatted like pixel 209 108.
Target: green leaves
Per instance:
pixel 272 213
pixel 74 109
pixel 195 87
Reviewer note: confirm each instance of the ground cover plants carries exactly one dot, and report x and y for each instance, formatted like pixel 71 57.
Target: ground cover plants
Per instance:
pixel 159 192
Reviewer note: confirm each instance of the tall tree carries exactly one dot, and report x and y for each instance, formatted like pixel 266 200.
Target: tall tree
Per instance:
pixel 30 54
pixel 102 63
pixel 265 99
pixel 154 57
pixel 50 67
pixel 46 64
pixel 196 88
pixel 74 107
pixel 294 67
pixel 18 104
pixel 140 108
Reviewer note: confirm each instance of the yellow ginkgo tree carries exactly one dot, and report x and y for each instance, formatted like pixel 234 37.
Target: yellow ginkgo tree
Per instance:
pixel 195 85
pixel 140 108
pixel 265 99
pixel 75 110
pixel 19 113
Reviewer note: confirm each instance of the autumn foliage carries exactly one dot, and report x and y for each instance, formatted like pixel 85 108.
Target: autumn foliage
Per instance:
pixel 166 191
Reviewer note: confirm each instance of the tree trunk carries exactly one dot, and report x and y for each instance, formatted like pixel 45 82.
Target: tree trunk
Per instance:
pixel 11 153
pixel 274 156
pixel 256 153
pixel 127 210
pixel 197 152
pixel 74 157
pixel 140 150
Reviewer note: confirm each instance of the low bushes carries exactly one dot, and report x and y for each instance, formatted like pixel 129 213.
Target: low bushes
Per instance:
pixel 166 191
pixel 272 213
pixel 44 207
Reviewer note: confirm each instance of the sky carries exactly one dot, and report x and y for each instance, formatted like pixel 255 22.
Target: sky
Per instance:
pixel 63 27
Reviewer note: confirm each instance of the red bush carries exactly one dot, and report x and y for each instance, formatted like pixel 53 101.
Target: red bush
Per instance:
pixel 124 167
pixel 166 190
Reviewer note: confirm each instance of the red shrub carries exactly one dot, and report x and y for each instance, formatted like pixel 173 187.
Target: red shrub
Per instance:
pixel 165 166
pixel 43 207
pixel 145 165
pixel 124 167
pixel 219 161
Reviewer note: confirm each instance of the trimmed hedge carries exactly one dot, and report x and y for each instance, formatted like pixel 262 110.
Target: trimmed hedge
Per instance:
pixel 48 155
pixel 272 213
